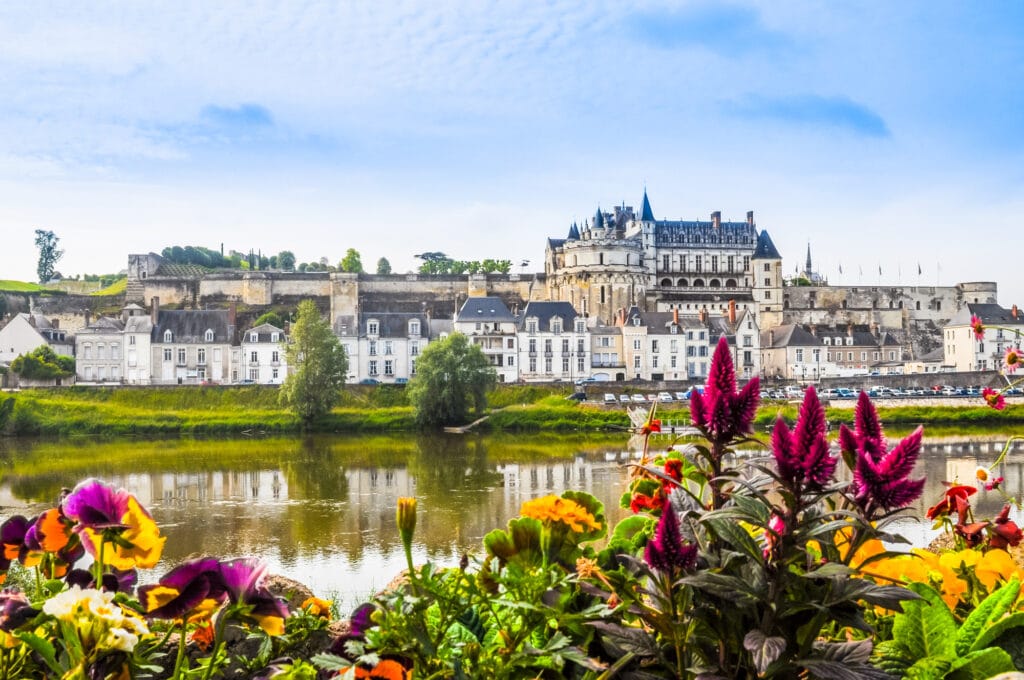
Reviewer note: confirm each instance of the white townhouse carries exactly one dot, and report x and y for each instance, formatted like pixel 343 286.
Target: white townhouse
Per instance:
pixel 262 356
pixel 191 347
pixel 744 336
pixel 665 345
pixel 27 331
pixel 138 348
pixel 99 351
pixel 488 323
pixel 606 358
pixel 554 343
pixel 964 352
pixel 383 347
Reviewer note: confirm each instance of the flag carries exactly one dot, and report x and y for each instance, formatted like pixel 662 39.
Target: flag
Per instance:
pixel 861 267
pixel 840 267
pixel 879 270
pixel 918 268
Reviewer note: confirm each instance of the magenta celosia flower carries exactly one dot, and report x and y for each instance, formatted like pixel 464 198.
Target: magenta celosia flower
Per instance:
pixel 977 327
pixel 994 398
pixel 880 476
pixel 666 551
pixel 193 585
pixel 803 456
pixel 775 530
pixel 1013 359
pixel 721 411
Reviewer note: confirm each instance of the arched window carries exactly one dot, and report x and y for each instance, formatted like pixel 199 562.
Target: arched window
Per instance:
pixel 715 283
pixel 666 282
pixel 208 335
pixel 698 283
pixel 681 283
pixel 730 283
pixel 168 336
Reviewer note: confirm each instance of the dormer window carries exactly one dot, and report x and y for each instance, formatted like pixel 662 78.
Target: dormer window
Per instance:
pixel 168 336
pixel 275 337
pixel 372 327
pixel 254 337
pixel 849 341
pixel 531 326
pixel 828 341
pixel 556 326
pixel 414 327
pixel 209 335
pixel 636 320
pixel 581 327
pixel 674 329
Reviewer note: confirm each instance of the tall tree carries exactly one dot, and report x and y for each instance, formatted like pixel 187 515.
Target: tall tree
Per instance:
pixel 286 260
pixel 352 262
pixel 49 254
pixel 317 365
pixel 451 375
pixel 383 266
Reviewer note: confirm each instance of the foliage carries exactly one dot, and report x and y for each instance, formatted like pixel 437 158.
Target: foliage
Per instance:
pixel 451 375
pixel 352 262
pixel 43 363
pixel 286 260
pixel 273 318
pixel 116 287
pixel 439 263
pixel 198 255
pixel 383 266
pixel 317 365
pixel 49 254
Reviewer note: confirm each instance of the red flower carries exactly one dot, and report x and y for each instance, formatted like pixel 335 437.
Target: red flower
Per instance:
pixel 993 483
pixel 994 398
pixel 977 327
pixel 674 468
pixel 972 533
pixel 640 502
pixel 651 426
pixel 1004 532
pixel 955 499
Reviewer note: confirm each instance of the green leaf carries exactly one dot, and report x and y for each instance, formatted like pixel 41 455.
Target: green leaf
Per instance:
pixel 330 662
pixel 627 529
pixel 980 665
pixel 43 648
pixel 996 630
pixel 736 536
pixel 990 610
pixel 727 587
pixel 763 650
pixel 930 668
pixel 926 630
pixel 829 570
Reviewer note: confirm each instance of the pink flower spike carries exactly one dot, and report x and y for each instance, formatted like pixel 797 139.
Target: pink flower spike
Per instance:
pixel 994 398
pixel 1013 359
pixel 977 327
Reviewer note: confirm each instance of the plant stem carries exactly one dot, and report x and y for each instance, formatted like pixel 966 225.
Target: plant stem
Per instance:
pixel 181 651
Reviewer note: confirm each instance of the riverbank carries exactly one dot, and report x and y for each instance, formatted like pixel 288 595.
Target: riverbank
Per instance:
pixel 255 410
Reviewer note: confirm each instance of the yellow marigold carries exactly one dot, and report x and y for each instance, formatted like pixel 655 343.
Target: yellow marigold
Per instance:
pixel 550 509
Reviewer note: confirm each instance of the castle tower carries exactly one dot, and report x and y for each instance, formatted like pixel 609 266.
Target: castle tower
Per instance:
pixel 766 266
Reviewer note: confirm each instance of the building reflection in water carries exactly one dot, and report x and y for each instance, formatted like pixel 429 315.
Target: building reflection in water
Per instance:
pixel 330 523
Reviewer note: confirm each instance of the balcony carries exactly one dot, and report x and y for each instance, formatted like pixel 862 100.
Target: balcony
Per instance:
pixel 275 364
pixel 254 362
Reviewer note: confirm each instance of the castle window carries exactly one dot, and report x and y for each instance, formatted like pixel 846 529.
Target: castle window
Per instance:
pixel 666 282
pixel 767 266
pixel 600 258
pixel 730 283
pixel 918 304
pixel 715 283
pixel 602 291
pixel 681 283
pixel 664 261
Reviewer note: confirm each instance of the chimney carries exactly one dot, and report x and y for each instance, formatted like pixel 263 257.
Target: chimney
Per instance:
pixel 874 329
pixel 88 317
pixel 675 316
pixel 716 219
pixel 1014 311
pixel 154 310
pixel 750 218
pixel 771 337
pixel 703 315
pixel 232 313
pixel 55 324
pixel 732 312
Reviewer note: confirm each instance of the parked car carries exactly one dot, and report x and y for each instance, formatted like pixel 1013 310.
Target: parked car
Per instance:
pixel 680 396
pixel 610 399
pixel 664 397
pixel 369 381
pixel 589 379
pixel 578 396
pixel 624 398
pixel 639 398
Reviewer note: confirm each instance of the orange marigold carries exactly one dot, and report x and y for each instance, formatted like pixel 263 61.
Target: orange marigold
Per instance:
pixel 551 509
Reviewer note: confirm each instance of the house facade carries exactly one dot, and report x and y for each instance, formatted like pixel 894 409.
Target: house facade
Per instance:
pixel 99 352
pixel 192 347
pixel 489 325
pixel 262 355
pixel 27 331
pixel 1002 328
pixel 553 342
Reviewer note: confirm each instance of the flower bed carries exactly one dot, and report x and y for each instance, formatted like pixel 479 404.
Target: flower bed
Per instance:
pixel 725 569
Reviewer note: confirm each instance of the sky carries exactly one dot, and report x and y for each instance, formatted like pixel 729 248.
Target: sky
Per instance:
pixel 887 136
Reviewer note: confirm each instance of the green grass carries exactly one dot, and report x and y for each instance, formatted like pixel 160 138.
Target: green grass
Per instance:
pixel 9 286
pixel 116 288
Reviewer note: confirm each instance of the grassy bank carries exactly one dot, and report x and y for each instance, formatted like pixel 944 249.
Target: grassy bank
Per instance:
pixel 514 408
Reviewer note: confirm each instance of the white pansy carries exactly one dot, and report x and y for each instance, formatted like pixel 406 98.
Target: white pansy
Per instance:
pixel 120 640
pixel 64 605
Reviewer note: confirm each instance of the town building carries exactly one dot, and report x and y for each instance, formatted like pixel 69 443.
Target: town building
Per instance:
pixel 192 347
pixel 965 352
pixel 27 331
pixel 553 342
pixel 489 324
pixel 262 354
pixel 99 357
pixel 383 346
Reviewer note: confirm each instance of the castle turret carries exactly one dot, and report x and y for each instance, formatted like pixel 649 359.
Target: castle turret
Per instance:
pixel 766 269
pixel 646 214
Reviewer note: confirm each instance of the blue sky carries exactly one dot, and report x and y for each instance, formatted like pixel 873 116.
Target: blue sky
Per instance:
pixel 883 134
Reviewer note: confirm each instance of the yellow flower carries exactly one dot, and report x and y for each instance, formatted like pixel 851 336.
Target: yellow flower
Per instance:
pixel 551 509
pixel 318 607
pixel 981 473
pixel 145 544
pixel 405 516
pixel 995 566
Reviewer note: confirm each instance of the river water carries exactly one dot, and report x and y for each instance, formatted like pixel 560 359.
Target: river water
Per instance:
pixel 321 510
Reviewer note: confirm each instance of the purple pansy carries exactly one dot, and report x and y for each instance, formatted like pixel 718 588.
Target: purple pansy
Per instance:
pixel 183 589
pixel 95 505
pixel 243 580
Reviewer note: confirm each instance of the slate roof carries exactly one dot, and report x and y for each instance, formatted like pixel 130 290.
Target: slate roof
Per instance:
pixel 104 324
pixel 574 233
pixel 599 219
pixel 138 324
pixel 345 326
pixel 264 333
pixel 990 314
pixel 696 232
pixel 189 326
pixel 646 214
pixel 439 326
pixel 788 335
pixel 394 324
pixel 484 309
pixel 765 249
pixel 544 312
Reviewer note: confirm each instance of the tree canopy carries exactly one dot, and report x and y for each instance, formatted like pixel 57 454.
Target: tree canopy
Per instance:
pixel 352 262
pixel 451 376
pixel 49 254
pixel 273 318
pixel 317 365
pixel 286 260
pixel 383 266
pixel 439 263
pixel 43 363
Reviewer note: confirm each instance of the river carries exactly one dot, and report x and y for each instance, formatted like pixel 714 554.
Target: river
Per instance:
pixel 321 510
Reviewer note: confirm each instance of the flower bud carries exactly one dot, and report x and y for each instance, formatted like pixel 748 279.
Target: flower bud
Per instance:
pixel 406 518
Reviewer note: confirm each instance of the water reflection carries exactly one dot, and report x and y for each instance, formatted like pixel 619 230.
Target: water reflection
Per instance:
pixel 322 509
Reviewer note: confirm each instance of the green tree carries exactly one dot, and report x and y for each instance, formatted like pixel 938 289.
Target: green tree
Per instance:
pixel 317 365
pixel 352 262
pixel 273 318
pixel 451 375
pixel 49 254
pixel 43 363
pixel 383 266
pixel 286 260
